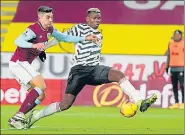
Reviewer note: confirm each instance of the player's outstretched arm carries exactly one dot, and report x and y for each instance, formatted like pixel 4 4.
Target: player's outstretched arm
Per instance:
pixel 51 43
pixel 73 31
pixel 68 38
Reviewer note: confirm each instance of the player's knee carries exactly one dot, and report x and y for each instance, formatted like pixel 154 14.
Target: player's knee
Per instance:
pixel 120 76
pixel 115 75
pixel 39 82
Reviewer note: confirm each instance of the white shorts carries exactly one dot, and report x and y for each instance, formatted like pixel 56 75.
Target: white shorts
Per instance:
pixel 23 73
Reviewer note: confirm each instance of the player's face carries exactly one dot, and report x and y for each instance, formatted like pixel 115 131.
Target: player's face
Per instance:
pixel 46 19
pixel 94 20
pixel 177 37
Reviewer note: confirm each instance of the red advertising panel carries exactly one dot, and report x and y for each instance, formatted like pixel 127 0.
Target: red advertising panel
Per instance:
pixel 146 73
pixel 11 93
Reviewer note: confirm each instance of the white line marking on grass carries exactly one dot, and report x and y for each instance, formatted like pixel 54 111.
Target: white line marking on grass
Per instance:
pixel 103 129
pixel 88 129
pixel 92 114
pixel 8 129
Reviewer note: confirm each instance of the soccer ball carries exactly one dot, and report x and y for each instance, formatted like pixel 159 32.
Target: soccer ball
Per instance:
pixel 128 109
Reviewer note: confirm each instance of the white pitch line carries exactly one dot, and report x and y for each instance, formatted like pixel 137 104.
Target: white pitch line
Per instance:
pixel 113 115
pixel 87 128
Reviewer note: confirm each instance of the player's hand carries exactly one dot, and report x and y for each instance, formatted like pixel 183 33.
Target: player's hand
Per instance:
pixel 97 42
pixel 42 56
pixel 38 46
pixel 91 38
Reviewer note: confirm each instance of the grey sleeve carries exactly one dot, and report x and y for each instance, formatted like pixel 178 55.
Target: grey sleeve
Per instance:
pixel 22 40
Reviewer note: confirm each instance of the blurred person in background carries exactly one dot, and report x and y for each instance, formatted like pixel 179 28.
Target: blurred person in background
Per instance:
pixel 175 61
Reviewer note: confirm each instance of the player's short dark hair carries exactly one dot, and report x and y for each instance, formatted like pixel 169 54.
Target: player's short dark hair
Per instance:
pixel 44 9
pixel 93 10
pixel 178 32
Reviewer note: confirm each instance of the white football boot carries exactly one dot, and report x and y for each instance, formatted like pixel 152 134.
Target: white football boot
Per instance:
pixel 18 121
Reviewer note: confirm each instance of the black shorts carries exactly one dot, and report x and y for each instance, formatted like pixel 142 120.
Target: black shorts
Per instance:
pixel 79 76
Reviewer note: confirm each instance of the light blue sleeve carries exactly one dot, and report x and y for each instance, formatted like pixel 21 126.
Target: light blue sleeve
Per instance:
pixel 65 37
pixel 22 40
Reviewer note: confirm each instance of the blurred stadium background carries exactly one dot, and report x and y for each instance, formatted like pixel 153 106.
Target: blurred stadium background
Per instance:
pixel 136 35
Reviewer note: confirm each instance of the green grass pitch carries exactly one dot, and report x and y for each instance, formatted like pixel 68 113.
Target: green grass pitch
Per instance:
pixel 104 120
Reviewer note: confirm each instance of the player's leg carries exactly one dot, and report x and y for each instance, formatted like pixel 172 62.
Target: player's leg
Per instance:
pixel 29 76
pixel 66 103
pixel 25 74
pixel 181 80
pixel 104 74
pixel 18 121
pixel 32 99
pixel 75 83
pixel 174 80
pixel 118 76
pixel 51 109
pixel 29 88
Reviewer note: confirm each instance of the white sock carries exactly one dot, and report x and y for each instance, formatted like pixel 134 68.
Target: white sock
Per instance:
pixel 49 110
pixel 129 89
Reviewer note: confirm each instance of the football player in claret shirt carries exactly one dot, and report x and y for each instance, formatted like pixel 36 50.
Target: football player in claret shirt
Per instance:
pixel 31 44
